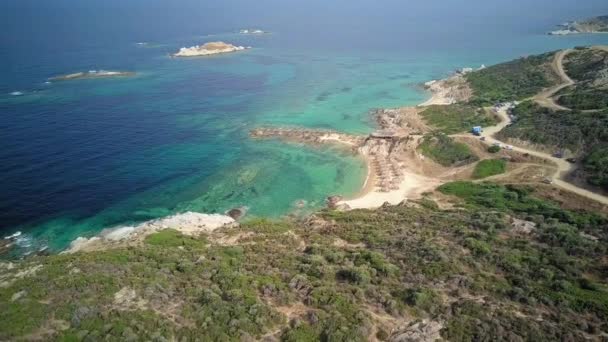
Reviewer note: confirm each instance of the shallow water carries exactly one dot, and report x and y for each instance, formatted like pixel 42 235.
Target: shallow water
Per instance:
pixel 82 155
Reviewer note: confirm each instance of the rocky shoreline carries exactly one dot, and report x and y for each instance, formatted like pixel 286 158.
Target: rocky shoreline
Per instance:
pixel 188 223
pixel 591 26
pixel 387 151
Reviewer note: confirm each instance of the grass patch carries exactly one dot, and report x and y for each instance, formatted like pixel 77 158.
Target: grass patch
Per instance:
pixel 489 167
pixel 173 238
pixel 457 118
pixel 445 151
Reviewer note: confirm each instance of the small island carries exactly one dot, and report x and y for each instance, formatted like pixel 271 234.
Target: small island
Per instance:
pixel 212 48
pixel 92 74
pixel 253 31
pixel 592 25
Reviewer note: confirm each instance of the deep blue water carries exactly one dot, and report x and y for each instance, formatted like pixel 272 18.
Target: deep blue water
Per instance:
pixel 82 155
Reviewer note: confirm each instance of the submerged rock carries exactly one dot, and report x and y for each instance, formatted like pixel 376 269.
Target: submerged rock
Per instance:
pixel 333 202
pixel 92 74
pixel 237 213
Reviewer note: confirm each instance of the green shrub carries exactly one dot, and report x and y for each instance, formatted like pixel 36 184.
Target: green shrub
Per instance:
pixel 489 167
pixel 442 149
pixel 478 247
pixel 494 149
pixel 173 238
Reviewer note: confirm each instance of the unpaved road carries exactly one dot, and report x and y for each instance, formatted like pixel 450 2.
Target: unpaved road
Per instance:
pixel 545 98
pixel 563 166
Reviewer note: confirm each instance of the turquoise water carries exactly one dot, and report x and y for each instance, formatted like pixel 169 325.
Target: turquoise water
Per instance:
pixel 83 155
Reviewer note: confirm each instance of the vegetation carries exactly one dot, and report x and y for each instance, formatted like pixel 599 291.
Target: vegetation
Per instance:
pixel 457 118
pixel 515 80
pixel 596 165
pixel 445 151
pixel 589 67
pixel 489 167
pixel 468 269
pixel 586 66
pixel 494 149
pixel 585 99
pixel 583 133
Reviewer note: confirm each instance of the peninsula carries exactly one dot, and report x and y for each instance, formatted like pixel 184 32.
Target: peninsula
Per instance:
pixel 592 25
pixel 207 49
pixel 92 74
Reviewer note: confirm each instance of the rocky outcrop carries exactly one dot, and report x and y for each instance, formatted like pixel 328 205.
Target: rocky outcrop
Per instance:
pixel 384 149
pixel 307 136
pixel 592 25
pixel 188 223
pixel 207 49
pixel 450 90
pixel 421 331
pixel 237 213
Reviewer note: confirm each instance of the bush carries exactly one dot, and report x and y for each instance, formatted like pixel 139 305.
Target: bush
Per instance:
pixel 442 149
pixel 494 149
pixel 173 238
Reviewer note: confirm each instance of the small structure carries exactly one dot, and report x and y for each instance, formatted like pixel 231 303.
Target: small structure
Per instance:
pixel 383 134
pixel 477 130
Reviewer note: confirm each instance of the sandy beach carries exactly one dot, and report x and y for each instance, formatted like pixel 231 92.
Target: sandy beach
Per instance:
pixel 372 197
pixel 412 184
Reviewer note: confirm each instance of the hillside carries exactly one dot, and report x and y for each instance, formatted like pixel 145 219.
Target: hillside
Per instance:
pixel 562 106
pixel 504 265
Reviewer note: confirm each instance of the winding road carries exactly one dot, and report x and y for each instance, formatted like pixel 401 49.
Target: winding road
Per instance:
pixel 563 167
pixel 545 99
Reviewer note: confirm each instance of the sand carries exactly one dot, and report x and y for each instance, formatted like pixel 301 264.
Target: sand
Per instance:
pixel 412 185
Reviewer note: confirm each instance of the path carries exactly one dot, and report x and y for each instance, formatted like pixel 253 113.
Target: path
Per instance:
pixel 563 167
pixel 545 97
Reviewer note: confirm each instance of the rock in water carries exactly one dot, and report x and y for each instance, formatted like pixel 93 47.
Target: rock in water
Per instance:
pixel 212 48
pixel 237 213
pixel 332 201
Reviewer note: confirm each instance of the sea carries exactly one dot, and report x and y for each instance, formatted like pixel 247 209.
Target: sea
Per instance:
pixel 82 155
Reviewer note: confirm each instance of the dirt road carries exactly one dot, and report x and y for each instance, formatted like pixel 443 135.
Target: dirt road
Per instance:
pixel 545 98
pixel 563 167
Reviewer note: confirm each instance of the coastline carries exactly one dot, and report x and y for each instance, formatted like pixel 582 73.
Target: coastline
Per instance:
pixel 443 92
